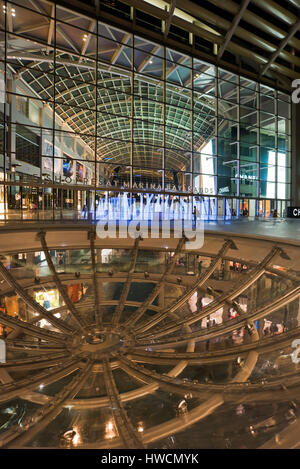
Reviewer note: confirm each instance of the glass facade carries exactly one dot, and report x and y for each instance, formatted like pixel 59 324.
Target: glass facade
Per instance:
pixel 86 108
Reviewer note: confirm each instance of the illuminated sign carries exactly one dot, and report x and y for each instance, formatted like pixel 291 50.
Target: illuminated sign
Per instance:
pixel 245 176
pixel 67 179
pixel 293 212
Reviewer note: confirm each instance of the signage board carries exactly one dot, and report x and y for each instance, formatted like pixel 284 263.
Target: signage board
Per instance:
pixel 293 212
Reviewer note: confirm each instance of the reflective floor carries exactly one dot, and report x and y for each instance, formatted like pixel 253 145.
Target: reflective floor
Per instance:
pixel 139 344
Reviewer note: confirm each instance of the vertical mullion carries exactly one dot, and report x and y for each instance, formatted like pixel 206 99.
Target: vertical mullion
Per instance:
pixel 5 125
pixel 53 117
pixel 216 123
pixel 216 134
pixel 96 119
pixel 132 111
pixel 258 141
pixel 238 187
pixel 164 116
pixel 192 125
pixel 291 118
pixel 276 148
pixel 257 153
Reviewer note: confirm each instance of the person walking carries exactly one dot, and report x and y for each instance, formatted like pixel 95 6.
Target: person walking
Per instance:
pixel 195 214
pixel 85 211
pixel 199 266
pixel 3 332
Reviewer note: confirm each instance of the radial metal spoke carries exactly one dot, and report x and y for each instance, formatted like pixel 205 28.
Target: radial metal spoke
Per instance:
pixel 33 363
pixel 253 276
pixel 233 304
pixel 34 346
pixel 127 433
pixel 120 307
pixel 30 329
pixel 265 345
pixel 186 296
pixel 98 312
pixel 32 303
pixel 141 310
pixel 229 326
pixel 182 387
pixel 286 439
pixel 61 288
pixel 16 388
pixel 18 437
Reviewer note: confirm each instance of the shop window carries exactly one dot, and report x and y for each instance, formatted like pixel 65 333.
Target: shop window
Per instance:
pixel 27 146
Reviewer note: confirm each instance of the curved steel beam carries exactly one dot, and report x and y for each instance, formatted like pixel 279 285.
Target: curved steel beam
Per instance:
pixel 14 389
pixel 32 303
pixel 185 297
pixel 253 276
pixel 61 288
pixel 265 345
pixel 120 307
pixel 98 312
pixel 17 436
pixel 156 290
pixel 233 324
pixel 32 330
pixel 127 433
pixel 27 364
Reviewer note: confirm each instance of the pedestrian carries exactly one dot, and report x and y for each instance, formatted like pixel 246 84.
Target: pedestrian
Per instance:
pixel 199 267
pixel 3 333
pixel 199 303
pixel 195 214
pixel 84 211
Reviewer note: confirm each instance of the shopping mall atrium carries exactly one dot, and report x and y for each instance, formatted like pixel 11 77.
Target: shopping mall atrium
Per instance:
pixel 149 224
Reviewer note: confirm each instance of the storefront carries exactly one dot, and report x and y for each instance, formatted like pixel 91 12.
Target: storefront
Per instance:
pixel 24 202
pixel 49 299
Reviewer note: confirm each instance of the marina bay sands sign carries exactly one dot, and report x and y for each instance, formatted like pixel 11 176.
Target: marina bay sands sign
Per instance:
pixel 47 178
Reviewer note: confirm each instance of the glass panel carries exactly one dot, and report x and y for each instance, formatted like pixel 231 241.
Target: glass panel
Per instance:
pixel 227 110
pixel 249 97
pixel 177 137
pixel 204 83
pixel 148 64
pixel 283 109
pixel 228 91
pixel 204 67
pixel 228 129
pixel 248 116
pixel 147 155
pixel 177 159
pixel 268 121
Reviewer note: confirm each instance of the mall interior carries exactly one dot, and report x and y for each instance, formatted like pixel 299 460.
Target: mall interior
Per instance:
pixel 123 122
